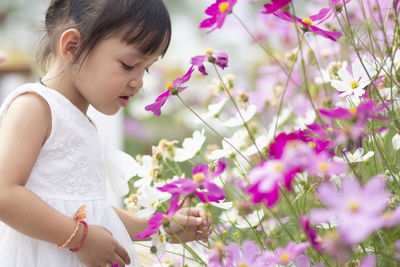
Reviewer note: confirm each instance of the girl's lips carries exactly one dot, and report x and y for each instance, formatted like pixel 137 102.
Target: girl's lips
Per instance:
pixel 124 100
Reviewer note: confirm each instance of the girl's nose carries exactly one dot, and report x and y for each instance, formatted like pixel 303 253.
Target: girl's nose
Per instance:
pixel 136 82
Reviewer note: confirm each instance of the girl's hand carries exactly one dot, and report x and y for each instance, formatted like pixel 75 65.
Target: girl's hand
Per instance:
pixel 189 224
pixel 101 249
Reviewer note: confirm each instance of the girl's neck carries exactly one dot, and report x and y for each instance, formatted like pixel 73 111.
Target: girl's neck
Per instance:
pixel 60 80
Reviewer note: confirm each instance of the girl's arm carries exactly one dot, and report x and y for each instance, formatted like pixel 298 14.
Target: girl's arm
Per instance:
pixel 23 131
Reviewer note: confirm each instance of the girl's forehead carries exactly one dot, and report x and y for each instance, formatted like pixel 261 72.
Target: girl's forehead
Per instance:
pixel 129 50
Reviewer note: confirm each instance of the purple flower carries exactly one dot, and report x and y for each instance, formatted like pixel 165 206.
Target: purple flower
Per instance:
pixel 368 261
pixel 250 255
pixel 324 166
pixel 173 87
pixel 201 184
pixel 356 209
pixel 290 252
pixel 308 24
pixel 219 58
pixel 311 234
pixel 218 12
pixel 275 6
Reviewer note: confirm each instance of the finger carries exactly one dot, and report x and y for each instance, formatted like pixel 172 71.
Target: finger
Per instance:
pixel 188 220
pixel 123 254
pixel 195 211
pixel 117 261
pixel 107 230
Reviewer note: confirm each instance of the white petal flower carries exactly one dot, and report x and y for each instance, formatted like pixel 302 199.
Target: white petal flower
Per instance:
pixel 222 205
pixel 251 220
pixel 237 140
pixel 119 168
pixel 150 199
pixel 144 171
pixel 247 114
pixel 353 84
pixel 396 142
pixel 190 146
pixel 357 156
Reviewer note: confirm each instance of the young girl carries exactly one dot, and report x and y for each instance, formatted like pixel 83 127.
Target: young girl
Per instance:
pixel 52 178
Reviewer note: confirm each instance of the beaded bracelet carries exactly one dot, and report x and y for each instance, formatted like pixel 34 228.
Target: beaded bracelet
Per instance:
pixel 72 236
pixel 79 217
pixel 82 239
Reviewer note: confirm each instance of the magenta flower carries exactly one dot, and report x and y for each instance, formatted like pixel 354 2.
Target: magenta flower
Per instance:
pixel 310 233
pixel 159 218
pixel 308 24
pixel 275 6
pixel 290 252
pixel 356 209
pixel 218 58
pixel 173 87
pixel 218 12
pixel 201 184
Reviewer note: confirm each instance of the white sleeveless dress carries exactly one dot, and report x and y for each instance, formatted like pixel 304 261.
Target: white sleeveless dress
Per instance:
pixel 68 173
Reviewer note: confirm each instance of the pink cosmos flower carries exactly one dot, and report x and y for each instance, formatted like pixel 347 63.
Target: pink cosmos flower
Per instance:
pixel 159 218
pixel 219 58
pixel 368 261
pixel 290 252
pixel 275 6
pixel 218 12
pixel 323 165
pixel 201 184
pixel 308 24
pixel 356 209
pixel 173 87
pixel 249 255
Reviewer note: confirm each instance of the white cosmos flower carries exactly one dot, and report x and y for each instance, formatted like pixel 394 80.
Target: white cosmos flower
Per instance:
pixel 190 146
pixel 357 156
pixel 247 114
pixel 232 217
pixel 396 142
pixel 145 171
pixel 237 140
pixel 149 200
pixel 301 122
pixel 353 84
pixel 222 205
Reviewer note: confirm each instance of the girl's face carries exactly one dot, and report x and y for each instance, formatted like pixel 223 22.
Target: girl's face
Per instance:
pixel 111 75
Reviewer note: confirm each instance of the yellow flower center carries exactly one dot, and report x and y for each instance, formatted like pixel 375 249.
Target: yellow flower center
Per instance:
pixel 312 144
pixel 219 246
pixel 354 84
pixel 154 202
pixel 353 206
pixel 168 86
pixel 285 257
pixel 162 238
pixel 307 21
pixel 223 7
pixel 388 215
pixel 243 264
pixel 353 110
pixel 209 51
pixel 278 167
pixel 323 166
pixel 167 261
pixel 198 177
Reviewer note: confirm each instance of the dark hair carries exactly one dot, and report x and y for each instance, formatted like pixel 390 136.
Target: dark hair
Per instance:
pixel 145 23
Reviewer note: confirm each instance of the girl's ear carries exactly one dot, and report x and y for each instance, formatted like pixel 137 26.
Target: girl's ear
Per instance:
pixel 69 43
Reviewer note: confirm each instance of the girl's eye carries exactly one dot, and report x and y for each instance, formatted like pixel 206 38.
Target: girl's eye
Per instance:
pixel 146 70
pixel 127 67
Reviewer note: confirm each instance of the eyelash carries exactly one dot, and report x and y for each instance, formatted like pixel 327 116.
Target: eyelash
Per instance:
pixel 129 68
